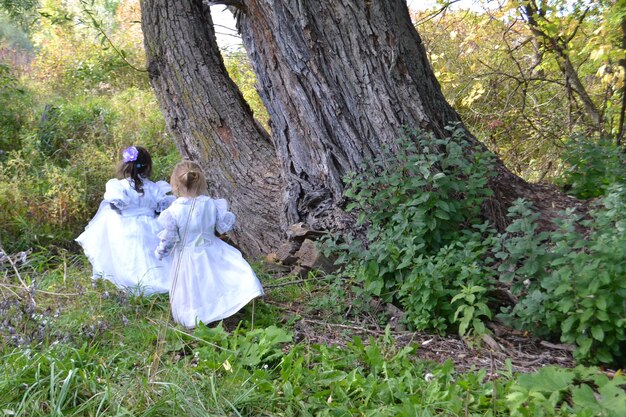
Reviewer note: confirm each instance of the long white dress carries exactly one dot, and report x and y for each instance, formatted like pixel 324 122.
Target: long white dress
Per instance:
pixel 210 278
pixel 119 241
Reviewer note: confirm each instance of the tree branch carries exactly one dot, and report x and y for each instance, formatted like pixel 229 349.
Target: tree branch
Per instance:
pixel 437 12
pixel 622 62
pixel 559 47
pixel 580 22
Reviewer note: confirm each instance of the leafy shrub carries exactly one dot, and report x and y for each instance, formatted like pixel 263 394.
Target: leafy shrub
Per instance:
pixel 42 202
pixel 15 99
pixel 571 281
pixel 63 127
pixel 579 391
pixel 446 287
pixel 418 206
pixel 592 166
pixel 52 185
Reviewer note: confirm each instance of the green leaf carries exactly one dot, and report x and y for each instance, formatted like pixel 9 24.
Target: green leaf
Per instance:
pixel 479 326
pixel 443 205
pixel 602 315
pixel 457 297
pixel 548 380
pixel 597 332
pixel 562 289
pixel 375 287
pixel 567 324
pixel 584 398
pixel 601 302
pixel 584 345
pixel 612 397
pixel 587 314
pixel 565 305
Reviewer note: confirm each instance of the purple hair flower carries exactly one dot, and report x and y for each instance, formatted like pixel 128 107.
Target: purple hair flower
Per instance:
pixel 130 154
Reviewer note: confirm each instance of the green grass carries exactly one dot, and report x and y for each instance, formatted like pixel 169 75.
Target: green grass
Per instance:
pixel 86 349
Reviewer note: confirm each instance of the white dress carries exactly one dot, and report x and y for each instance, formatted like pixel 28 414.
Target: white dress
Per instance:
pixel 210 278
pixel 119 241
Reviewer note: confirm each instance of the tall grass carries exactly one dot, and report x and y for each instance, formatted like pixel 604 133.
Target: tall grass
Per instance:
pixel 51 186
pixel 86 349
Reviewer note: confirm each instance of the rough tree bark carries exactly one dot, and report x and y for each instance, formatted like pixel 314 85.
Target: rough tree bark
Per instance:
pixel 210 120
pixel 340 79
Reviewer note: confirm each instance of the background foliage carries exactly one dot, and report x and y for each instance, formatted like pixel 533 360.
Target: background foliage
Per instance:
pixel 67 111
pixel 503 67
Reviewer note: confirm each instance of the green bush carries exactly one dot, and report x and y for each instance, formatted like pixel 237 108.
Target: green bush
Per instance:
pixel 15 101
pixel 591 167
pixel 423 247
pixel 52 185
pixel 68 124
pixel 447 287
pixel 571 281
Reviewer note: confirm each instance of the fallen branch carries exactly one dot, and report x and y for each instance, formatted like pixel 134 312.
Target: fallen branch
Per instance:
pixel 344 326
pixel 284 284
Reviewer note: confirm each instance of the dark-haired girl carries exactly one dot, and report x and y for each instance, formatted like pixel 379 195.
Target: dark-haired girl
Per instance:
pixel 119 241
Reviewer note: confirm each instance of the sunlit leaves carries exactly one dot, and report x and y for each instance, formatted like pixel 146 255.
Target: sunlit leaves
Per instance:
pixel 507 81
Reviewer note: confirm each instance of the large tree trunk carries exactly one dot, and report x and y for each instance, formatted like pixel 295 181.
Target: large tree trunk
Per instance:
pixel 340 80
pixel 210 120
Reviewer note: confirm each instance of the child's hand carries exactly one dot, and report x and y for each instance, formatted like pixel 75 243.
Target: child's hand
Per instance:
pixel 163 249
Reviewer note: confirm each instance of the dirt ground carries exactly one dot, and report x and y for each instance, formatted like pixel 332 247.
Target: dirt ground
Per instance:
pixel 491 352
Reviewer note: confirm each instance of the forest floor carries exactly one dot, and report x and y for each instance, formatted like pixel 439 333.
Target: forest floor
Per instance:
pixel 26 319
pixel 84 347
pixel 505 348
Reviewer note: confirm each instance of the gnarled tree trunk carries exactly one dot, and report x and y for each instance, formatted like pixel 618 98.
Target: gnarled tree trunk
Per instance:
pixel 340 80
pixel 210 120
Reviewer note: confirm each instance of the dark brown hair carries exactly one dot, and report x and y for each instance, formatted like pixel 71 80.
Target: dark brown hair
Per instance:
pixel 136 170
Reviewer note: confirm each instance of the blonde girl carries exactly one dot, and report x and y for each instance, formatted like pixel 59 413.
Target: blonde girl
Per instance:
pixel 210 279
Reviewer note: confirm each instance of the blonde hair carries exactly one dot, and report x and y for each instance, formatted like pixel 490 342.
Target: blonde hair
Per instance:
pixel 187 180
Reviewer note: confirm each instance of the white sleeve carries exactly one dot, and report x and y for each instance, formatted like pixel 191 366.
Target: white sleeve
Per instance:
pixel 116 194
pixel 163 199
pixel 168 237
pixel 224 219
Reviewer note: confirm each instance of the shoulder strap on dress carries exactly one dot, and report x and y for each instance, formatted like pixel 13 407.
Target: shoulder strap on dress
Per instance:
pixel 182 248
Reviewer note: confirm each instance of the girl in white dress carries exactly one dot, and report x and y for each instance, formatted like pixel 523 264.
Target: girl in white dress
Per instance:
pixel 210 279
pixel 119 241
